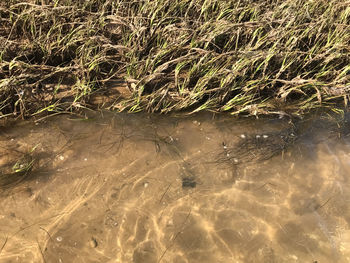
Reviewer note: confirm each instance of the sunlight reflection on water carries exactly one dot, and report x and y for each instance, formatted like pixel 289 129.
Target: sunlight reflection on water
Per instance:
pixel 142 188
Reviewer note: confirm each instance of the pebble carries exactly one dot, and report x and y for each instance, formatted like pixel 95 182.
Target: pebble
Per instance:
pixel 145 185
pixel 93 242
pixel 59 239
pixel 61 157
pixel 265 136
pixel 242 136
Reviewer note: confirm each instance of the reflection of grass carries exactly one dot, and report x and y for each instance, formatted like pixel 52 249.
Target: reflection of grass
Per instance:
pixel 254 57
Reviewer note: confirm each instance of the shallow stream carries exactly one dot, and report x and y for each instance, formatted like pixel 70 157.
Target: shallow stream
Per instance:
pixel 145 188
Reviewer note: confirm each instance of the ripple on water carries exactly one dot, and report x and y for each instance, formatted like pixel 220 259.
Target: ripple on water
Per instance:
pixel 155 189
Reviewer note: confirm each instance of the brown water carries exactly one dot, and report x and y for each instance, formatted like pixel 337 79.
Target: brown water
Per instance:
pixel 138 188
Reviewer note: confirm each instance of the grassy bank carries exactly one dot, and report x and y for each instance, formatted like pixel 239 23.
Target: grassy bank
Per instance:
pixel 250 57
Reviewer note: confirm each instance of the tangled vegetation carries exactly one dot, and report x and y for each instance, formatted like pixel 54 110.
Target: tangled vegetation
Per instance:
pixel 249 57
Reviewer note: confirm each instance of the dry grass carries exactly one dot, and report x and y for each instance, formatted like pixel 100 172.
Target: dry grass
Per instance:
pixel 245 57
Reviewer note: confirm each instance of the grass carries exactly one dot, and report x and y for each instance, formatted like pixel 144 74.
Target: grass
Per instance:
pixel 245 57
pixel 13 174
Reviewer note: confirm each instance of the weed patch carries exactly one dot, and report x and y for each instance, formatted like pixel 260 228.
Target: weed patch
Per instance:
pixel 245 57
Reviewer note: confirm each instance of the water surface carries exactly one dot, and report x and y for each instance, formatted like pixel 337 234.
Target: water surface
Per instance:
pixel 143 188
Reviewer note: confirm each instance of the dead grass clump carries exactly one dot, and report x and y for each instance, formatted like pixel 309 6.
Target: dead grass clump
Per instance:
pixel 253 57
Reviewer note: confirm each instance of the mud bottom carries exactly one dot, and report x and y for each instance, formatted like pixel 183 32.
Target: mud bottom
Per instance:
pixel 139 188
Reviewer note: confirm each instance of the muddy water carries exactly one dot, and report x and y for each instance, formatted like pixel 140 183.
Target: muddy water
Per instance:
pixel 138 188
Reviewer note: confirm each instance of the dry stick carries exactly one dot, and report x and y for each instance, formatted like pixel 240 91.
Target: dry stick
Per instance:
pixel 41 252
pixel 161 199
pixel 3 245
pixel 47 232
pixel 177 234
pixel 326 202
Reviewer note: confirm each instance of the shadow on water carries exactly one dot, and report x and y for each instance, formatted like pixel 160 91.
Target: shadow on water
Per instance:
pixel 146 188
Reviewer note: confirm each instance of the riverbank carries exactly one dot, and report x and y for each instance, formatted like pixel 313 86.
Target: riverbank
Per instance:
pixel 253 58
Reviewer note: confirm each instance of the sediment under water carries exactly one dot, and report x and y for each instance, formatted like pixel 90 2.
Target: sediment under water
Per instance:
pixel 145 188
